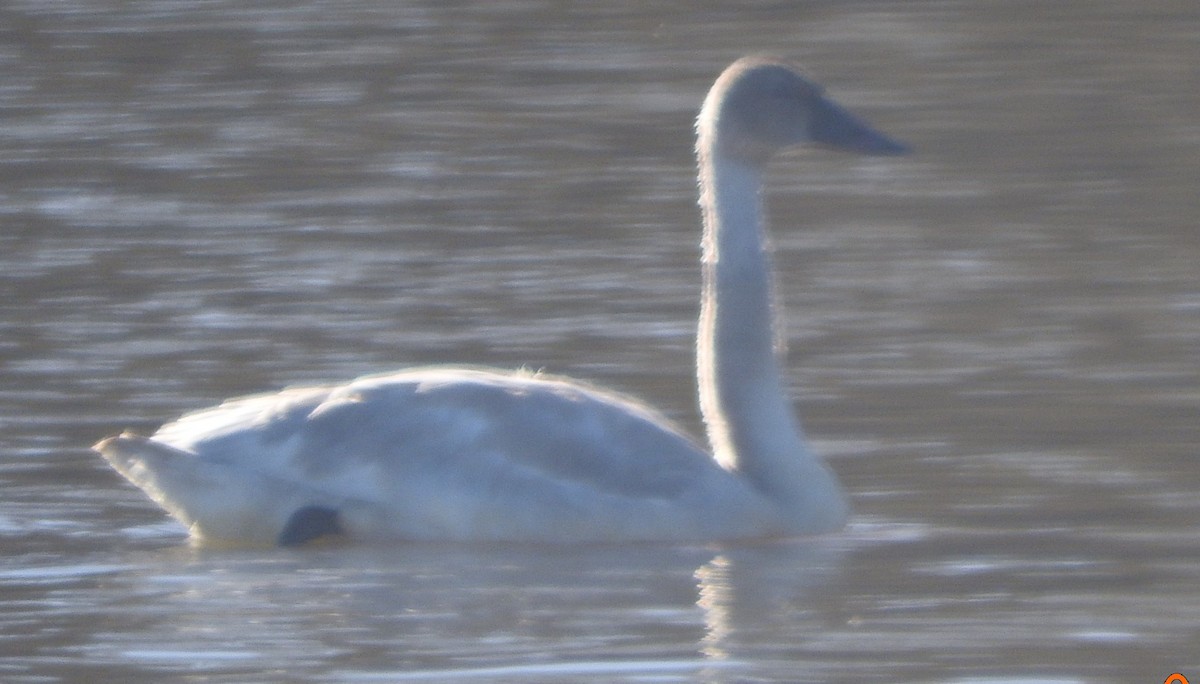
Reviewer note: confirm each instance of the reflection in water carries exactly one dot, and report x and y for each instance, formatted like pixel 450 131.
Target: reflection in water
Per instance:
pixel 756 598
pixel 404 614
pixel 715 600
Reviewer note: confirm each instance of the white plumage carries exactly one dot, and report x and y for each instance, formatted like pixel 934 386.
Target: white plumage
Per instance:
pixel 471 454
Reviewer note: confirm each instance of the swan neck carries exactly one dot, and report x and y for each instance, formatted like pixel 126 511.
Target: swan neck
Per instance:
pixel 742 395
pixel 747 412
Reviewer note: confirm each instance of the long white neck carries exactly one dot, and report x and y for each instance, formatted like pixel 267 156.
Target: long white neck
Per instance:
pixel 746 409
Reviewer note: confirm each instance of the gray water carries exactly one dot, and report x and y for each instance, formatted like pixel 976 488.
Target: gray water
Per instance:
pixel 996 341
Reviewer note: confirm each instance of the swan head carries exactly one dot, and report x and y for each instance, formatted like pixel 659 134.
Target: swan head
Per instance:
pixel 759 106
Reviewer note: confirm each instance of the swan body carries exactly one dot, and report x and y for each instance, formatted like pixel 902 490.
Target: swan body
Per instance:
pixel 472 454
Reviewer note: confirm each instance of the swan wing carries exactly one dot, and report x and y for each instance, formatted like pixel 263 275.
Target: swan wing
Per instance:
pixel 430 453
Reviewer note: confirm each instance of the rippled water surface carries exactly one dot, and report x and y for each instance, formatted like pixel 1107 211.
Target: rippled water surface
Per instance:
pixel 996 341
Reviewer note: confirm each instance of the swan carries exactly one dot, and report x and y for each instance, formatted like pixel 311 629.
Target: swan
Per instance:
pixel 459 453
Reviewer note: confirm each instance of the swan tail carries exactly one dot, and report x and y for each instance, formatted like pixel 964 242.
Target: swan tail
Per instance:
pixel 217 502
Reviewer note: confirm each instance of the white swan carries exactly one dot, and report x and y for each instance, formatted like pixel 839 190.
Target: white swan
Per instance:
pixel 452 453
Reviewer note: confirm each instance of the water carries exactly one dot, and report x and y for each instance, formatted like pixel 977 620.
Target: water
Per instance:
pixel 995 341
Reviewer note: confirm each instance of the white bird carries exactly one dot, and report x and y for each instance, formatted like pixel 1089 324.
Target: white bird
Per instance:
pixel 473 454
